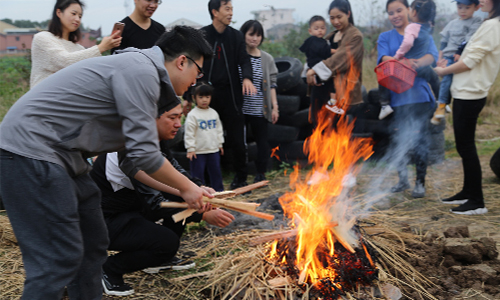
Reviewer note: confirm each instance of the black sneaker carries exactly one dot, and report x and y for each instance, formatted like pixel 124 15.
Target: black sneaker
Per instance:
pixel 459 198
pixel 470 208
pixel 401 186
pixel 115 286
pixel 174 264
pixel 259 177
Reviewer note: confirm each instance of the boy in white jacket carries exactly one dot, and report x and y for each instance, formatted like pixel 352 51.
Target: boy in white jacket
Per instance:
pixel 203 138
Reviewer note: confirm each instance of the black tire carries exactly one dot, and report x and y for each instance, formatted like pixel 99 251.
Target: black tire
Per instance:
pixel 298 119
pixel 278 134
pixel 373 97
pixel 289 70
pixel 290 152
pixel 288 104
pixel 436 149
pixel 495 163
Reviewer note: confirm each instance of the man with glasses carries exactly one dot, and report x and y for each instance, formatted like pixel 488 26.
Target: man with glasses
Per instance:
pixel 222 73
pixel 98 105
pixel 140 30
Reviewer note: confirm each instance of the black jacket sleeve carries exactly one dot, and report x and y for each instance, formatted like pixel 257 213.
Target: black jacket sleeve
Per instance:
pixel 243 57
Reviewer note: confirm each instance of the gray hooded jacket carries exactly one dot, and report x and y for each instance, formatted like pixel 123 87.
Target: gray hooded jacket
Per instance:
pixel 97 105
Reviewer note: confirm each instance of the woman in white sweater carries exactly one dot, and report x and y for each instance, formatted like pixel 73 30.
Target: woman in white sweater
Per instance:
pixel 57 48
pixel 473 76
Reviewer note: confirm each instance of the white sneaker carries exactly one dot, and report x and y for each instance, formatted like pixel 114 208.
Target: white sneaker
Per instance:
pixel 385 110
pixel 317 177
pixel 335 109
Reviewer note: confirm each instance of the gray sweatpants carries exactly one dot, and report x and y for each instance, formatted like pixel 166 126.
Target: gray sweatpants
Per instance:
pixel 59 225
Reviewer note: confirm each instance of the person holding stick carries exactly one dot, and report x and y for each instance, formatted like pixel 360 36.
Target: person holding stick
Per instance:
pixel 98 105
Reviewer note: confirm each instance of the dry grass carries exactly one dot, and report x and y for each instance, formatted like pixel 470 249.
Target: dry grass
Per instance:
pixel 228 267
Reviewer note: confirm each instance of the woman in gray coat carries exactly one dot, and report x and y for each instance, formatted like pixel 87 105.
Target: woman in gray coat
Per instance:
pixel 260 108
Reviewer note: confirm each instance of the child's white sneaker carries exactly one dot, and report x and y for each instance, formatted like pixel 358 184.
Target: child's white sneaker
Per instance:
pixel 385 110
pixel 330 105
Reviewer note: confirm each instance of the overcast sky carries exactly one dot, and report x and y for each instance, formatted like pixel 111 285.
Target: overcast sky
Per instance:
pixel 103 13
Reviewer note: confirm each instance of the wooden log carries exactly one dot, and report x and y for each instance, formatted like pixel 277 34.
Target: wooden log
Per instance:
pixel 183 215
pixel 214 202
pixel 250 187
pixel 279 281
pixel 273 236
pixel 253 213
pixel 341 240
pixel 174 204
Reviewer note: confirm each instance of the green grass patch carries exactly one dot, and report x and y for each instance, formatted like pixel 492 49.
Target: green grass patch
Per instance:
pixel 14 80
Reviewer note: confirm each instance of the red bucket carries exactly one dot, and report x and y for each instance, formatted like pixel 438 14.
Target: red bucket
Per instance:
pixel 395 75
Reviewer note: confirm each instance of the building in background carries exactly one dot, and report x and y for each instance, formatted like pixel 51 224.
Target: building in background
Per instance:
pixel 276 21
pixel 16 40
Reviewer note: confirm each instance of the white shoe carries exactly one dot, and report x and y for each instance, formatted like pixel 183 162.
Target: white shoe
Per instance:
pixel 385 110
pixel 335 109
pixel 447 108
pixel 317 177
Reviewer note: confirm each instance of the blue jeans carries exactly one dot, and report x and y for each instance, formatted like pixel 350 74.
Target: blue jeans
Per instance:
pixel 59 225
pixel 444 91
pixel 210 162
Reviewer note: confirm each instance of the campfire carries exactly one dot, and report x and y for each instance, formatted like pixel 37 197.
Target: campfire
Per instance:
pixel 324 249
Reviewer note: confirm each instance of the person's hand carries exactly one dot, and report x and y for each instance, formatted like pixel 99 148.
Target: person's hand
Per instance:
pixel 439 71
pixel 206 207
pixel 194 197
pixel 248 87
pixel 414 63
pixel 208 189
pixel 221 151
pixel 442 63
pixel 333 51
pixel 110 42
pixel 456 57
pixel 311 78
pixel 191 155
pixel 218 217
pixel 275 115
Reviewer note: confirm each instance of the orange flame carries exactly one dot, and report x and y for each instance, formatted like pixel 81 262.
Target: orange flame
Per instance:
pixel 273 152
pixel 317 209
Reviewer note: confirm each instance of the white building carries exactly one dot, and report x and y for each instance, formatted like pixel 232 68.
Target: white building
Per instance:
pixel 274 16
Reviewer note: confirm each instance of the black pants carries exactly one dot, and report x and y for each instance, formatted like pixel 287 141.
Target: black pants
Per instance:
pixel 142 243
pixel 426 73
pixel 233 122
pixel 411 135
pixel 465 114
pixel 258 125
pixel 59 225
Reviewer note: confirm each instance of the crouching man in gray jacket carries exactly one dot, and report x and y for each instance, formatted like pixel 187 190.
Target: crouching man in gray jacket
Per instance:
pixel 98 105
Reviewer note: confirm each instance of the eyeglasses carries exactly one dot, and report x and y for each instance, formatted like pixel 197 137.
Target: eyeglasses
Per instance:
pixel 200 70
pixel 157 2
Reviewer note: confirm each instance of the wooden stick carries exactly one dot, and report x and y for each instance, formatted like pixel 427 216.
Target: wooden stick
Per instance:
pixel 341 240
pixel 214 202
pixel 183 215
pixel 250 187
pixel 253 213
pixel 273 236
pixel 174 204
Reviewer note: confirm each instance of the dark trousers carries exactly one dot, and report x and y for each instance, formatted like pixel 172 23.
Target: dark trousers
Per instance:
pixel 142 243
pixel 465 114
pixel 411 135
pixel 233 121
pixel 58 222
pixel 426 73
pixel 211 163
pixel 258 125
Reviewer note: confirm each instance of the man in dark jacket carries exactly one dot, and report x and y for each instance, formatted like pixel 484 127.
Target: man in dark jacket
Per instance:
pixel 132 209
pixel 222 73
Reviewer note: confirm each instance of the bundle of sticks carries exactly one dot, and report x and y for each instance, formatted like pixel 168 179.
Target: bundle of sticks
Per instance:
pixel 219 201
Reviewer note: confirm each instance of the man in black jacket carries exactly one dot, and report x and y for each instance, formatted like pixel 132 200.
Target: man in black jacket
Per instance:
pixel 222 73
pixel 131 210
